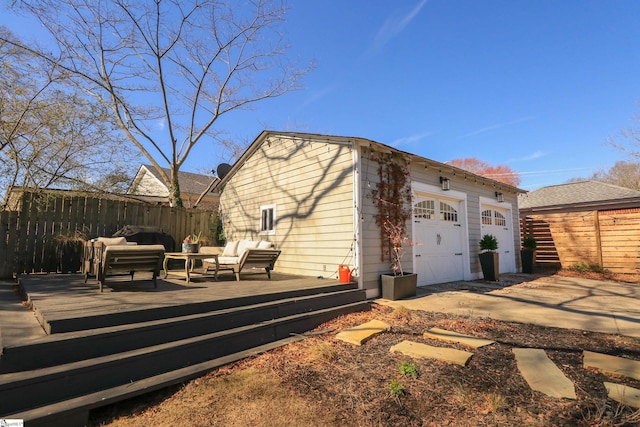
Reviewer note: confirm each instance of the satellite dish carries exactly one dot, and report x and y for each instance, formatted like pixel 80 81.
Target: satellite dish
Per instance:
pixel 223 170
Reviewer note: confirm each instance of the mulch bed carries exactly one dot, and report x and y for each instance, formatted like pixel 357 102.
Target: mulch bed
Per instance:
pixel 352 384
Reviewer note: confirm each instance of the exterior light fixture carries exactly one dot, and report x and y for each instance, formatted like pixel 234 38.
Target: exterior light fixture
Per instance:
pixel 499 197
pixel 445 183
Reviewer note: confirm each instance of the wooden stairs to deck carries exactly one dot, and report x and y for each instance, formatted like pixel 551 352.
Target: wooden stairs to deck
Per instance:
pixel 57 381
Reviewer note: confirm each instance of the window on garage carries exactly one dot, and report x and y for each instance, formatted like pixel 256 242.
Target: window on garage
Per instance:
pixel 425 209
pixel 486 217
pixel 499 219
pixel 448 212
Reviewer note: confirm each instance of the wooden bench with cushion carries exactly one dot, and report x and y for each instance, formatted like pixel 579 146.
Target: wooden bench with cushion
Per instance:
pixel 243 255
pixel 110 257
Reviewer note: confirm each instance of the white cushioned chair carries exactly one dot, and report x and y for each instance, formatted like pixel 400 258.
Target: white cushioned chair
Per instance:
pixel 244 254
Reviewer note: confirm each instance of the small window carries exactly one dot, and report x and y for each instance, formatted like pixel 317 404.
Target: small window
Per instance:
pixel 500 219
pixel 486 217
pixel 268 219
pixel 448 212
pixel 424 210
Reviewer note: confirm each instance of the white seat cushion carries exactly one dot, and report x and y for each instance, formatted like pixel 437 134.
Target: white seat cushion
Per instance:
pixel 244 245
pixel 263 244
pixel 225 260
pixel 112 241
pixel 230 249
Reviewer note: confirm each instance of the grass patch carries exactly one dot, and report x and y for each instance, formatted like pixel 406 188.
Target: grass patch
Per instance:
pixel 258 394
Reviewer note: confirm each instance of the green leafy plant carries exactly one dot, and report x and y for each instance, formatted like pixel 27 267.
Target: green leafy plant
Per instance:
pixel 193 238
pixel 409 369
pixel 529 242
pixel 396 389
pixel 489 242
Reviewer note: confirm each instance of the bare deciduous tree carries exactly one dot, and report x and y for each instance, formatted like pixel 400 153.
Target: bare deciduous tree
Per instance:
pixel 50 135
pixel 169 69
pixel 622 174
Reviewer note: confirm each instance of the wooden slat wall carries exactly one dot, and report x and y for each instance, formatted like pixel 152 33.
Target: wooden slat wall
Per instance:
pixel 620 237
pixel 546 250
pixel 27 236
pixel 609 239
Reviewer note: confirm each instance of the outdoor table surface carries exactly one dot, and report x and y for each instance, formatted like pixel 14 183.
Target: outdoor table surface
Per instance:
pixel 189 258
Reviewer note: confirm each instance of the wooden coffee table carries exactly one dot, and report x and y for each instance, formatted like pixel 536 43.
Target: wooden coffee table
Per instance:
pixel 189 263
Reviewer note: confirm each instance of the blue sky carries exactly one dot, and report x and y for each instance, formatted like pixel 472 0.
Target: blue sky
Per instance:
pixel 539 85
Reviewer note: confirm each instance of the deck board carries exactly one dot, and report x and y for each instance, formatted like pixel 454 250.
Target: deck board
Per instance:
pixel 66 296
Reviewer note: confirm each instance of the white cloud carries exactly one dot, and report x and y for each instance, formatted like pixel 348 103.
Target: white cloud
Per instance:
pixel 533 156
pixel 498 126
pixel 395 24
pixel 409 139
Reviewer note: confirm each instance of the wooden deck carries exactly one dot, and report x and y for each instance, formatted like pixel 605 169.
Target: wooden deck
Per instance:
pixel 84 349
pixel 60 299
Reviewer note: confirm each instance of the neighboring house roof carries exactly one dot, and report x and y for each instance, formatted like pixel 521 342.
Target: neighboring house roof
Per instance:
pixel 190 183
pixel 442 167
pixel 583 194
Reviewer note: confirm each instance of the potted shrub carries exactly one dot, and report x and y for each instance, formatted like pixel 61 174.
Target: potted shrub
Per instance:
pixel 392 197
pixel 489 260
pixel 399 284
pixel 528 254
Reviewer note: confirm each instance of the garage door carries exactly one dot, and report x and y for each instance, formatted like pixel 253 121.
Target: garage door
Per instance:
pixel 439 240
pixel 497 221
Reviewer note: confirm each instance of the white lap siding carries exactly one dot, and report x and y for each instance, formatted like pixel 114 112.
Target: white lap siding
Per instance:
pixel 311 185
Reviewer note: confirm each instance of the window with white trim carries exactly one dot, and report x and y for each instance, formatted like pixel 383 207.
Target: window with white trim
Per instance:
pixel 268 219
pixel 448 212
pixel 486 217
pixel 499 219
pixel 425 209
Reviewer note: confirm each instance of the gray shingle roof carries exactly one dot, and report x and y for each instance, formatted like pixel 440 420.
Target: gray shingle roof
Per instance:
pixel 190 183
pixel 575 193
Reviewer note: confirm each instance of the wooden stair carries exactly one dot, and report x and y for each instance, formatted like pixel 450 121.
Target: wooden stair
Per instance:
pixel 58 380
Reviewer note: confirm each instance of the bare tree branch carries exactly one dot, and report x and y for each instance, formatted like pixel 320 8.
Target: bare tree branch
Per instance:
pixel 169 69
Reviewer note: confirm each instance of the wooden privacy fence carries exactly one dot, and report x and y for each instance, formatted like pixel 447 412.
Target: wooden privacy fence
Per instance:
pixel 609 239
pixel 27 235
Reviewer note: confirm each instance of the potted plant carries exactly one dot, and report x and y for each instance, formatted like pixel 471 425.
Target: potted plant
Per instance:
pixel 191 244
pixel 489 259
pixel 392 197
pixel 399 284
pixel 528 254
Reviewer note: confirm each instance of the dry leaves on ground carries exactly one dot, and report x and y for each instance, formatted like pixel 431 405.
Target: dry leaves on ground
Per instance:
pixel 322 381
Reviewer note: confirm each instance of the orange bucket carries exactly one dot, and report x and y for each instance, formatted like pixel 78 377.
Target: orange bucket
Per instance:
pixel 344 273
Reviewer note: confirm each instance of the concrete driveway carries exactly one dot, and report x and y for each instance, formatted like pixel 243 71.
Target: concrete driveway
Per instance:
pixel 563 302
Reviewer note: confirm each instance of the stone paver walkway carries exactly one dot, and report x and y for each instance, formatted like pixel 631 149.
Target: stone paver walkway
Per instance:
pixel 621 393
pixel 542 374
pixel 424 351
pixel 358 335
pixel 534 365
pixel 611 365
pixel 468 340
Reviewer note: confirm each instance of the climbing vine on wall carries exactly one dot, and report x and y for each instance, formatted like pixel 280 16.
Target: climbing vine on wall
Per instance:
pixel 393 199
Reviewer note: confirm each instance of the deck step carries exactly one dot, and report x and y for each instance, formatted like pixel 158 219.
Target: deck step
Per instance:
pixel 109 319
pixel 29 390
pixel 69 347
pixel 75 411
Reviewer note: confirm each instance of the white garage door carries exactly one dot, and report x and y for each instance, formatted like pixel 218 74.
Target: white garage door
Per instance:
pixel 497 221
pixel 439 240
